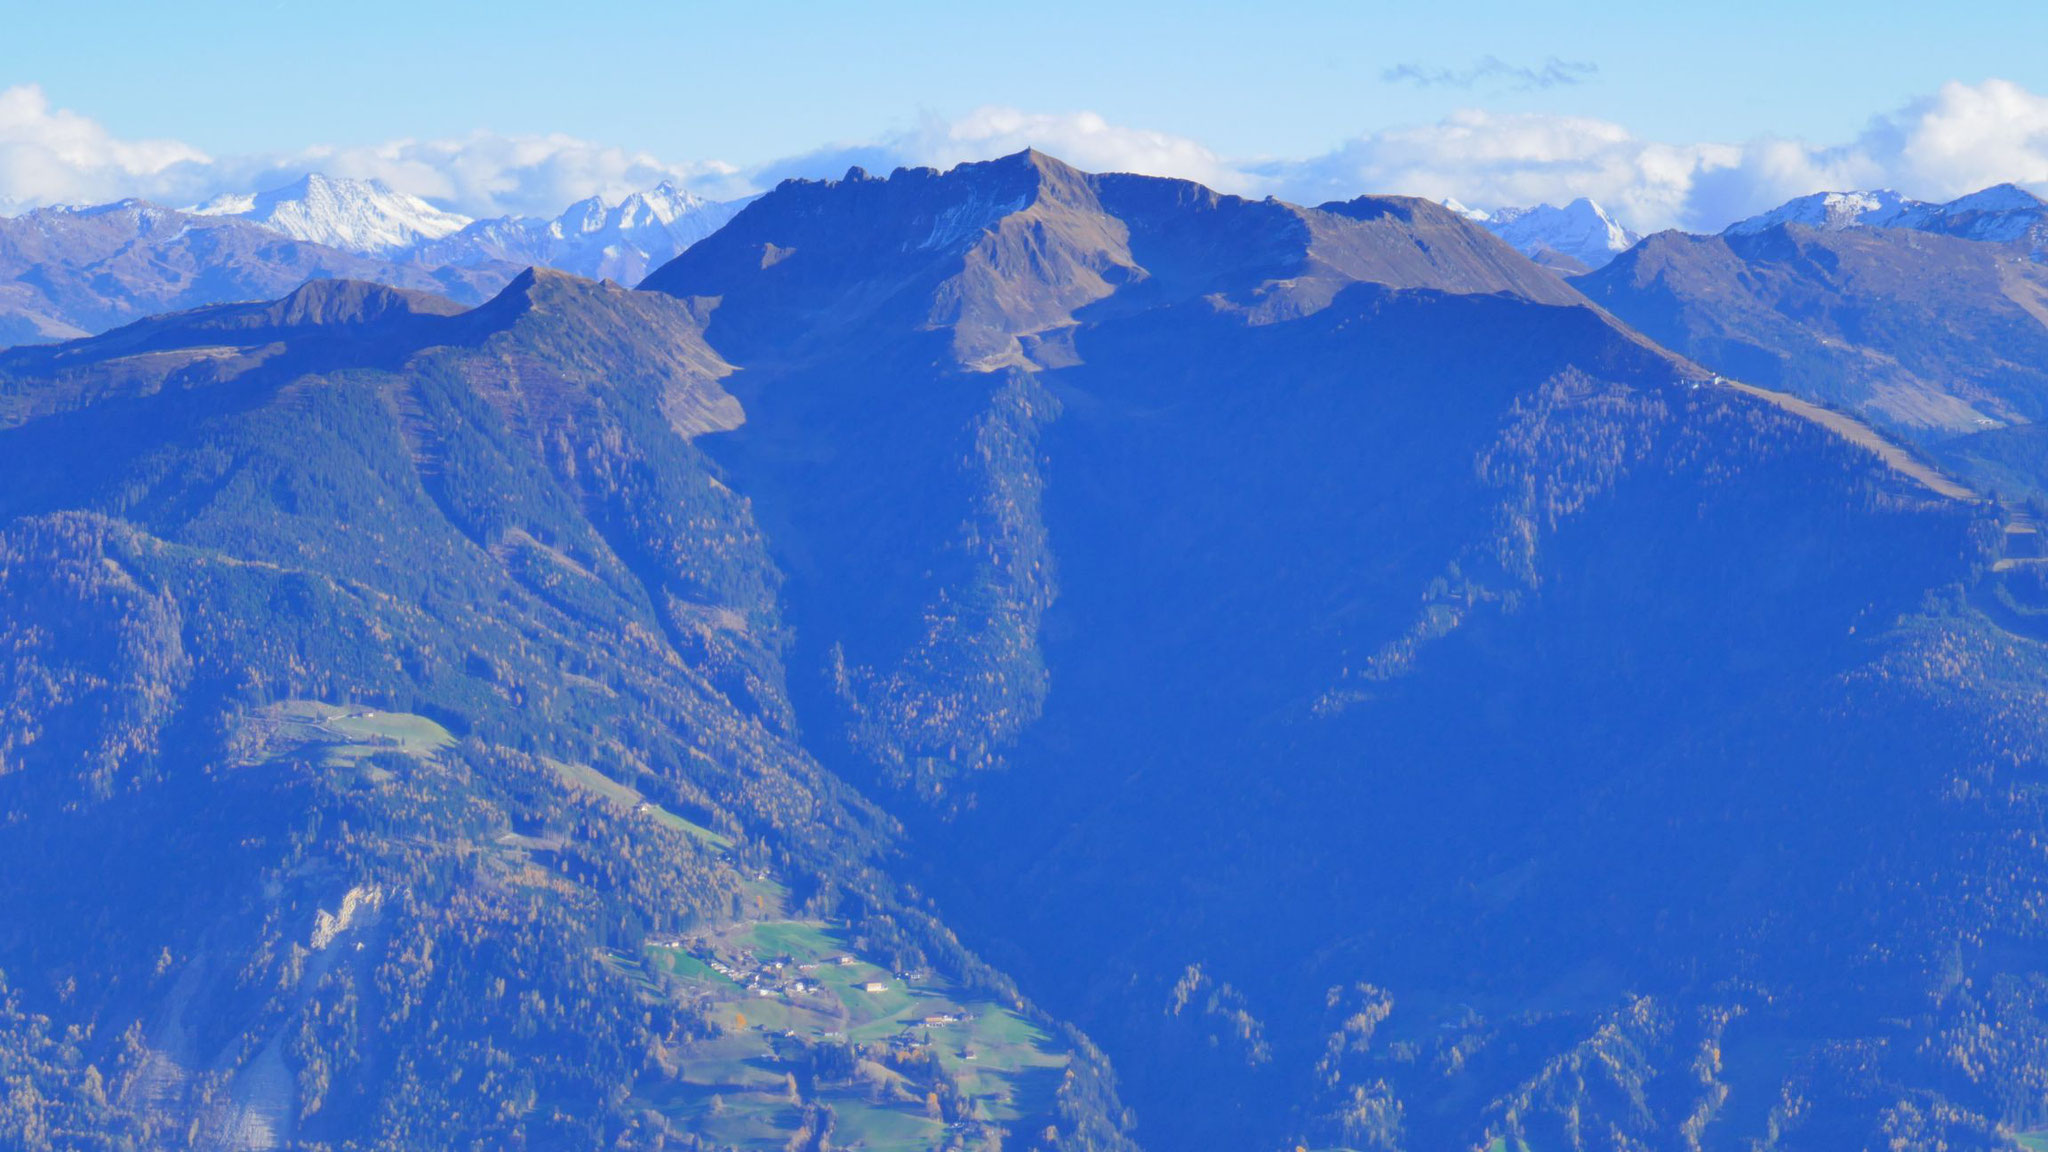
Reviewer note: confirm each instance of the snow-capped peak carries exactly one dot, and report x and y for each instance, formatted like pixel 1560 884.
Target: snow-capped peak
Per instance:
pixel 356 215
pixel 670 206
pixel 1472 214
pixel 1582 232
pixel 623 241
pixel 228 204
pixel 582 218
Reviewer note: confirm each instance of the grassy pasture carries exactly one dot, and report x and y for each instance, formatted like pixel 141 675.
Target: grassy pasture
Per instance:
pixel 809 941
pixel 350 734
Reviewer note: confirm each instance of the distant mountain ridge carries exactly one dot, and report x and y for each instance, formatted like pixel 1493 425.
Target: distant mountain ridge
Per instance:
pixel 592 237
pixel 1583 237
pixel 1924 333
pixel 1929 319
pixel 72 271
pixel 2001 214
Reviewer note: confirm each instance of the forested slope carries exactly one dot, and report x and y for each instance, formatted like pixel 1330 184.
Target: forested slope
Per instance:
pixel 391 690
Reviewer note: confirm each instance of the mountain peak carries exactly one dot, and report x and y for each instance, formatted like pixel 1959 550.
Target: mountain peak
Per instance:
pixel 1045 167
pixel 1997 198
pixel 1575 238
pixel 931 250
pixel 327 303
pixel 320 311
pixel 321 182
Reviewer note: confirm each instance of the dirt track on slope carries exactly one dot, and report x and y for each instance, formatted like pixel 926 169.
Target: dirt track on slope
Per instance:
pixel 1857 432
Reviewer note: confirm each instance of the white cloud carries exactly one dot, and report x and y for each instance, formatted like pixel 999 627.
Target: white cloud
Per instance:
pixel 1957 140
pixel 51 154
pixel 1487 159
pixel 1961 139
pixel 57 156
pixel 1966 137
pixel 492 175
pixel 1082 139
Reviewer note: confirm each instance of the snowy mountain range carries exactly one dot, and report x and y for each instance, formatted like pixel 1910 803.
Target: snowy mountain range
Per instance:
pixel 621 242
pixel 1582 237
pixel 1578 237
pixel 2001 214
pixel 69 271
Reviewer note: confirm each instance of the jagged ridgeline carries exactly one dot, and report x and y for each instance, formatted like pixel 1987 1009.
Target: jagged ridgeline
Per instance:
pixel 1312 652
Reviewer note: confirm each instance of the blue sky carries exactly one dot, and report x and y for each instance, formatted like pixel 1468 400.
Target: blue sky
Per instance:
pixel 752 85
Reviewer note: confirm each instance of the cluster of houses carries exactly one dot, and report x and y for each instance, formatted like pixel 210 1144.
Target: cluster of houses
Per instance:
pixel 777 976
pixel 784 976
pixel 774 977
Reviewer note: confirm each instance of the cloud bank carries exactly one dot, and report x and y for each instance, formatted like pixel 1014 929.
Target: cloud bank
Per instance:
pixel 57 156
pixel 50 155
pixel 1956 140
